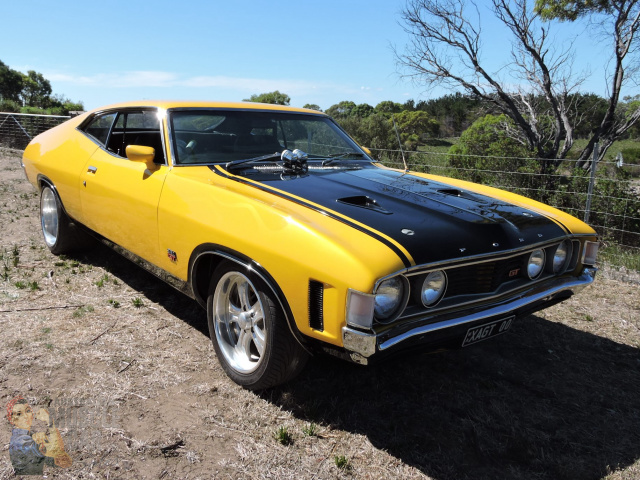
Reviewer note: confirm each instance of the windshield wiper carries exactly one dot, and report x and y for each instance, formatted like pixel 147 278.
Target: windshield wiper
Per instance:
pixel 338 156
pixel 264 158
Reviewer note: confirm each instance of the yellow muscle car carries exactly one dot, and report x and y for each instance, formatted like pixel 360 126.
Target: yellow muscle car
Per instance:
pixel 294 239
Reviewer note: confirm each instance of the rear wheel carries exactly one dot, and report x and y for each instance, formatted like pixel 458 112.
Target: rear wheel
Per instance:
pixel 248 330
pixel 60 235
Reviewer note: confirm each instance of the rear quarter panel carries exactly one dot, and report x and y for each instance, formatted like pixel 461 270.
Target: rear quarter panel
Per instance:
pixel 60 154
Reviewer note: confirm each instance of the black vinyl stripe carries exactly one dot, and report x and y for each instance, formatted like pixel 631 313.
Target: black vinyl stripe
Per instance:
pixel 407 263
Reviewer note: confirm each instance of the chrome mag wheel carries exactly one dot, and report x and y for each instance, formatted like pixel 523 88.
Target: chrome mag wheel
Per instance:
pixel 49 218
pixel 239 322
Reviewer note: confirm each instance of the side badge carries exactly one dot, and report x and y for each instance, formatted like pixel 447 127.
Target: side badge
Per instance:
pixel 173 256
pixel 406 231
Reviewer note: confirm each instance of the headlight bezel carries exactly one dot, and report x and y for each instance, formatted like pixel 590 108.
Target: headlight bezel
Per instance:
pixel 422 283
pixel 555 267
pixel 539 265
pixel 400 302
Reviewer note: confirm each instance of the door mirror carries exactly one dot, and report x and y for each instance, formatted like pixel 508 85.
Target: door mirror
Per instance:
pixel 140 153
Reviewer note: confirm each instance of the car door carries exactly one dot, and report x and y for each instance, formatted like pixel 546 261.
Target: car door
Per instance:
pixel 119 196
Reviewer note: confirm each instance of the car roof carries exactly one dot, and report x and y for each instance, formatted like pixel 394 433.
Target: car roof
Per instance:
pixel 167 104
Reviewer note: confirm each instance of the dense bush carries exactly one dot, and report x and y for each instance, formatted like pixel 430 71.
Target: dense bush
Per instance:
pixel 486 154
pixel 9 106
pixel 631 158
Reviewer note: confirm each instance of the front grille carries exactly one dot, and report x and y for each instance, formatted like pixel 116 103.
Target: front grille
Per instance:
pixel 484 277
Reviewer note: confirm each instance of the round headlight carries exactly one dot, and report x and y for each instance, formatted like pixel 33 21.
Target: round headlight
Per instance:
pixel 389 296
pixel 560 257
pixel 535 264
pixel 433 288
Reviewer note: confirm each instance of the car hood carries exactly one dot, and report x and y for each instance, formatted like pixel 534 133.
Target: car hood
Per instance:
pixel 433 221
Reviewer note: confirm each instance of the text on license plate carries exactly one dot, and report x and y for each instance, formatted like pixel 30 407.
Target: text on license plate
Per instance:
pixel 482 332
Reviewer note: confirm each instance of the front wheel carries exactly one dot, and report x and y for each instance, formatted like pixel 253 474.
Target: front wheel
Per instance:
pixel 248 330
pixel 60 235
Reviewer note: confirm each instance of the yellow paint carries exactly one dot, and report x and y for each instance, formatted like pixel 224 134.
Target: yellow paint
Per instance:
pixel 293 243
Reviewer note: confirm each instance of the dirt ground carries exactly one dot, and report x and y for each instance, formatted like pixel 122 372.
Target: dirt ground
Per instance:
pixel 126 369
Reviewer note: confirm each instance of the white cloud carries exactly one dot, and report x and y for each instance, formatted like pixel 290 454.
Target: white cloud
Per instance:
pixel 106 88
pixel 160 79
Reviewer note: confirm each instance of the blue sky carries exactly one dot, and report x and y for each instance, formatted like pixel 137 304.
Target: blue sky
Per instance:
pixel 102 52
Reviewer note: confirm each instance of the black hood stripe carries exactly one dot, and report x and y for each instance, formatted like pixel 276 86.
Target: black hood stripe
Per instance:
pixel 406 260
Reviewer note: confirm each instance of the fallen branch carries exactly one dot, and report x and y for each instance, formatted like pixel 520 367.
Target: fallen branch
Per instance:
pixel 96 338
pixel 35 309
pixel 128 365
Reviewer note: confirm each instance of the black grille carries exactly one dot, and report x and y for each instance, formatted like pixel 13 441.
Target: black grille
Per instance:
pixel 484 277
pixel 316 292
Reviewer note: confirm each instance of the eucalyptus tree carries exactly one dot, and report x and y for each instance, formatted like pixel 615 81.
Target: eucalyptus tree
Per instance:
pixel 274 97
pixel 535 86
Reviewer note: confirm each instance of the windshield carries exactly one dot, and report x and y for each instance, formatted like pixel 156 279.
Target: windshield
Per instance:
pixel 220 136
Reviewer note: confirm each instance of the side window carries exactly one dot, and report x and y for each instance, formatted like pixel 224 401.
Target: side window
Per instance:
pixel 99 127
pixel 136 127
pixel 144 120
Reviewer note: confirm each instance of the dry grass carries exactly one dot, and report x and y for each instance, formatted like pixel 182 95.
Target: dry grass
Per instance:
pixel 557 398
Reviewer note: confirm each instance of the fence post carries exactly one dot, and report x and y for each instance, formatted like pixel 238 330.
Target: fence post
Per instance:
pixel 592 181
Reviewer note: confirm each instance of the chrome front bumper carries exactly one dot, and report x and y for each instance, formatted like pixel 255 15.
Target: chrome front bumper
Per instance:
pixel 362 345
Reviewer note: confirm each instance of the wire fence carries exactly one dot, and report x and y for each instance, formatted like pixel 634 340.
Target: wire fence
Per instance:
pixel 18 129
pixel 608 199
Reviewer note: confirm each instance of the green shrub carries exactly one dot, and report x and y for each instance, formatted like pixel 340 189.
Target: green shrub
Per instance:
pixel 631 155
pixel 9 106
pixel 486 154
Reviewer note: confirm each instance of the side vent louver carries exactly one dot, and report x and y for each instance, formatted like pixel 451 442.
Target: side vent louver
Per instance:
pixel 316 292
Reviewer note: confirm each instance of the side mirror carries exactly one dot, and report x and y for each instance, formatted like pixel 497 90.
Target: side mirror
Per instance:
pixel 139 153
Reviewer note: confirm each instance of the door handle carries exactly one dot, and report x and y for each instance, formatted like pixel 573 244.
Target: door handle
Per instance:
pixel 92 169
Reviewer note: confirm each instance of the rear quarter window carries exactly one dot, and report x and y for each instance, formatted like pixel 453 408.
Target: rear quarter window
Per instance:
pixel 99 127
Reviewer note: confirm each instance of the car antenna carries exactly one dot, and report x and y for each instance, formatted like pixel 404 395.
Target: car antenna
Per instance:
pixel 393 117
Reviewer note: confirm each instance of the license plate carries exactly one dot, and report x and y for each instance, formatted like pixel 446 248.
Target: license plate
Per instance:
pixel 488 330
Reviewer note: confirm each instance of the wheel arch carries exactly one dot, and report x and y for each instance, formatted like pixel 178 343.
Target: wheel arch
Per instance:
pixel 42 180
pixel 206 258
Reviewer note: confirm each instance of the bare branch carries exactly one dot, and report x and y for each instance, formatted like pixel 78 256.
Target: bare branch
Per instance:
pixel 446 49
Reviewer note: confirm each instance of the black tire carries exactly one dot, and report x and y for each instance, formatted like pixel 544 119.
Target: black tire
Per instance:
pixel 249 332
pixel 60 234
